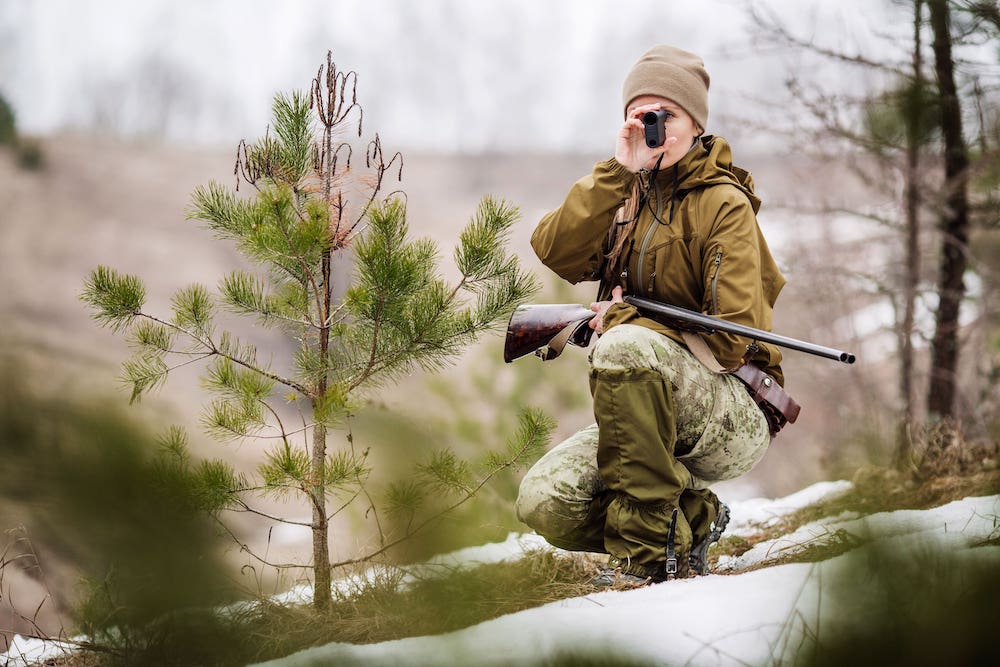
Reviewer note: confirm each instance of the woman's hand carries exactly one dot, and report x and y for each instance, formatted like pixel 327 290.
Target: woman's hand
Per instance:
pixel 631 150
pixel 600 307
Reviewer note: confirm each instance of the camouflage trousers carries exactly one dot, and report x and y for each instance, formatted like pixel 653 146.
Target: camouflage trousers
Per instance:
pixel 667 427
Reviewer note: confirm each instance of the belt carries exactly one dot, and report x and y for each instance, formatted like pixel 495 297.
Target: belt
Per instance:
pixel 779 408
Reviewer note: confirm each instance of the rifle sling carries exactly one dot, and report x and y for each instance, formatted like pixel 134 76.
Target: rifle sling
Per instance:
pixel 558 342
pixel 779 408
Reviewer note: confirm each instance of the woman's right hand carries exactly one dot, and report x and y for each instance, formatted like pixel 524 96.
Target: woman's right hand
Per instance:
pixel 631 150
pixel 601 307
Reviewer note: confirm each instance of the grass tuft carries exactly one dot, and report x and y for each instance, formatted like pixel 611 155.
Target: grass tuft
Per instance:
pixel 382 610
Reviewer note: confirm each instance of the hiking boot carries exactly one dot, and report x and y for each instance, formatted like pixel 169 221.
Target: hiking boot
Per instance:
pixel 620 573
pixel 698 560
pixel 613 577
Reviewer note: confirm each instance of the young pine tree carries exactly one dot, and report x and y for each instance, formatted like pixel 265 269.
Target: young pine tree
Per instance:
pixel 395 313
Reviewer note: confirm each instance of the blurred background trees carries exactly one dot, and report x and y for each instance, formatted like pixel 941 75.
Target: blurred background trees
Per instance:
pixel 912 133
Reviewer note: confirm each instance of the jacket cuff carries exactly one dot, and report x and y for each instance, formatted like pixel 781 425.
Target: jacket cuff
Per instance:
pixel 620 313
pixel 616 169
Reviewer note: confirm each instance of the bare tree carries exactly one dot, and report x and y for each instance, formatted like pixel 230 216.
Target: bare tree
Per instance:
pixel 954 222
pixel 888 130
pixel 911 280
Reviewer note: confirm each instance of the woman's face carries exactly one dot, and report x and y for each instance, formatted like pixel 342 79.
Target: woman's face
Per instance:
pixel 678 124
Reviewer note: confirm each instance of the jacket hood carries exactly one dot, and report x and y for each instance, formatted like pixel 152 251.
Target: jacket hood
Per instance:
pixel 710 162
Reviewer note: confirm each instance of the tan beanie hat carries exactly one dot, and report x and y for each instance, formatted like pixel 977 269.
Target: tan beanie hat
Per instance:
pixel 672 73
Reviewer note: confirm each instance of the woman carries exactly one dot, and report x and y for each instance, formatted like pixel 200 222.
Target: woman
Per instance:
pixel 675 223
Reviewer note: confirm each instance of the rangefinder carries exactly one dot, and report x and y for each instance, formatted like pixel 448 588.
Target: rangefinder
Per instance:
pixel 652 122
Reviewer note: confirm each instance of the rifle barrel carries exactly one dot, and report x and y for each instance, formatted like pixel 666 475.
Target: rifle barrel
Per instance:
pixel 709 324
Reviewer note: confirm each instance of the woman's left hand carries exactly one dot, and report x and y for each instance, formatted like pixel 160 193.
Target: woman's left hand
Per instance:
pixel 601 307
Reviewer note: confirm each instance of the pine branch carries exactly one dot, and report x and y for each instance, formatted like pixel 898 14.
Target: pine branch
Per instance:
pixel 257 557
pixel 244 507
pixel 294 130
pixel 285 464
pixel 151 336
pixel 447 472
pixel 226 214
pixel 117 298
pixel 245 295
pixel 307 272
pixel 145 372
pixel 401 303
pixel 227 419
pixel 226 352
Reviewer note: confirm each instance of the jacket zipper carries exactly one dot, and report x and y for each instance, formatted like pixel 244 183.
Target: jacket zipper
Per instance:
pixel 715 282
pixel 646 239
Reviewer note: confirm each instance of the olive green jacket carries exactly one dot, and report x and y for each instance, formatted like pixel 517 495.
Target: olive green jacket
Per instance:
pixel 696 244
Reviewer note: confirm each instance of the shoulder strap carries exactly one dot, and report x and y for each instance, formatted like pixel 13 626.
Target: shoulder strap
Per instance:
pixel 699 348
pixel 779 408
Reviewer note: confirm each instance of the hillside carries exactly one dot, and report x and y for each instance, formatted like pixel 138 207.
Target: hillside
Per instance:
pixel 805 596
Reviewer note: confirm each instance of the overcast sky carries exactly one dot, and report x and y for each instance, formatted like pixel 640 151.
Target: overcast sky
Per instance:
pixel 435 75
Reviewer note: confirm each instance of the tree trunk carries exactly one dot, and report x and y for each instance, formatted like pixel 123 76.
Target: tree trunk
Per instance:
pixel 322 593
pixel 913 114
pixel 954 224
pixel 320 532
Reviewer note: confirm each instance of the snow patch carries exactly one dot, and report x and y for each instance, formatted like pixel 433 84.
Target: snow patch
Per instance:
pixel 29 651
pixel 748 516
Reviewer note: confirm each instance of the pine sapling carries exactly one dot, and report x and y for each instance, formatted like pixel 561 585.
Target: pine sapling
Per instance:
pixel 309 212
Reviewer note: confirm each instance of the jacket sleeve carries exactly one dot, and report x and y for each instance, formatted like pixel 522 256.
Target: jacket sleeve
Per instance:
pixel 570 239
pixel 733 285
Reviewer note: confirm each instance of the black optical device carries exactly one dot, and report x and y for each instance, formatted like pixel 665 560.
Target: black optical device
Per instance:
pixel 652 122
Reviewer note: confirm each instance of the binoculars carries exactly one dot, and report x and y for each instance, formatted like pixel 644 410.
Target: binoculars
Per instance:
pixel 652 122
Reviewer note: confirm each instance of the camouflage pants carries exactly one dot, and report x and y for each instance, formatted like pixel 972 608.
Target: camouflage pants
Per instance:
pixel 667 427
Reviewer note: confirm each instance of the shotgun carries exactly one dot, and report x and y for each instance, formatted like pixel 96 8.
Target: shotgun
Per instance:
pixel 546 329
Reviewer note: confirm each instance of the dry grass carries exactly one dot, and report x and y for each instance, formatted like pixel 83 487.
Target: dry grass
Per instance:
pixel 379 610
pixel 382 610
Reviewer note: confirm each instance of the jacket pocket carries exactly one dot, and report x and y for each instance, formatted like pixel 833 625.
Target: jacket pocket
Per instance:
pixel 670 277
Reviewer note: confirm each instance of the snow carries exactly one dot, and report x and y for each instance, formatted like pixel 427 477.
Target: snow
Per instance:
pixel 719 619
pixel 29 650
pixel 748 515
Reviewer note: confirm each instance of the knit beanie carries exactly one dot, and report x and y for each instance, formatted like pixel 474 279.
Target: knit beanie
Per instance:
pixel 670 72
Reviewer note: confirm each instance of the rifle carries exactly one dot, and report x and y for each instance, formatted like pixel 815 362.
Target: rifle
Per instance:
pixel 546 329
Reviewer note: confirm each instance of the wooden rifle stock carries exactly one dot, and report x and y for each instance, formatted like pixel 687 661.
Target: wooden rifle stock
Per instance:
pixel 540 329
pixel 546 329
